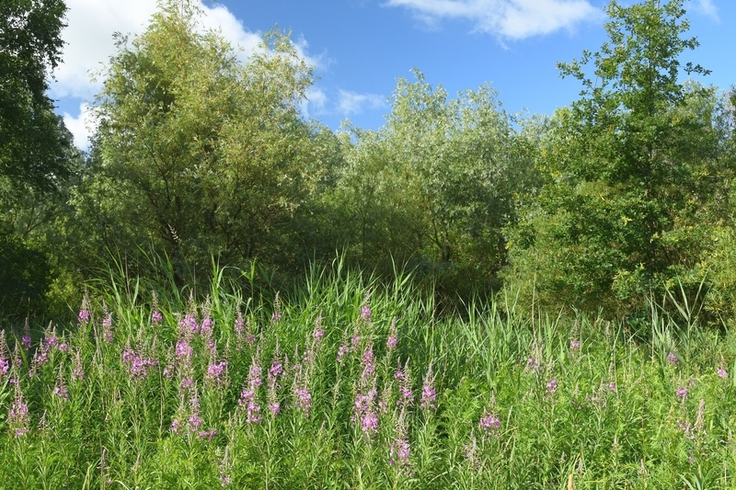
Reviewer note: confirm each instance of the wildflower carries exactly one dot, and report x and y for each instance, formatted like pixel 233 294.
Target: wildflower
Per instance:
pixel 18 417
pixel 303 399
pixel 156 317
pixel 429 395
pixel 400 452
pixel 681 393
pixel 107 334
pixel 83 317
pixel 189 325
pixel 319 332
pixel 574 344
pixel 672 358
pixel 183 349
pixel 248 397
pixel 365 313
pixel 25 341
pixel 368 361
pixel 276 315
pixel 342 351
pixel 77 367
pixel 215 370
pixel 552 386
pixel 369 423
pixel 722 373
pixel 489 423
pixel 62 392
pixel 208 434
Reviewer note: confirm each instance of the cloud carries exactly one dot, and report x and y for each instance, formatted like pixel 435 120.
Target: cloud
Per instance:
pixel 89 39
pixel 354 103
pixel 81 126
pixel 706 8
pixel 315 102
pixel 510 19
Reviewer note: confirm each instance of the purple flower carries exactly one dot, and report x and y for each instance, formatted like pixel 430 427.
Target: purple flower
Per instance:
pixel 303 399
pixel 722 373
pixel 341 352
pixel 18 417
pixel 574 344
pixel 62 392
pixel 429 396
pixel 25 341
pixel 107 334
pixel 672 358
pixel 189 324
pixel 400 452
pixel 489 423
pixel 183 349
pixel 365 313
pixel 276 369
pixel 369 423
pixel 83 317
pixel 156 317
pixel 215 370
pixel 681 393
pixel 208 434
pixel 552 386
pixel 319 334
pixel 368 361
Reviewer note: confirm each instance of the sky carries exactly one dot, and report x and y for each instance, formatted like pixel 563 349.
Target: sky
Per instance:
pixel 359 48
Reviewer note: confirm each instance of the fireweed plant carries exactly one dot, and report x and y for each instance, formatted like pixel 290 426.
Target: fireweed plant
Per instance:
pixel 351 385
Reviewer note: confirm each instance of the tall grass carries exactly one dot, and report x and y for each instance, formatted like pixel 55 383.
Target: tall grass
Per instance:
pixel 348 383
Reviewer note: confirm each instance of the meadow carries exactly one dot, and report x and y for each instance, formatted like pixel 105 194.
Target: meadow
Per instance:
pixel 353 384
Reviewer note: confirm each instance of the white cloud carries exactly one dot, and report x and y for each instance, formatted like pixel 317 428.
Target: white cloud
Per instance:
pixel 354 103
pixel 82 126
pixel 707 8
pixel 315 102
pixel 510 19
pixel 89 38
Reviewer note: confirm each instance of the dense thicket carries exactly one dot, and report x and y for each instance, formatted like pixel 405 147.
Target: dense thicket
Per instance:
pixel 36 151
pixel 203 154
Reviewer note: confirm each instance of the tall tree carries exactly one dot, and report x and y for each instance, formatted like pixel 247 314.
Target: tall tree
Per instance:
pixel 198 152
pixel 436 185
pixel 36 147
pixel 629 167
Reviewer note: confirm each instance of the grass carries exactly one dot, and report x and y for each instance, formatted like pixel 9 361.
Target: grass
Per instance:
pixel 159 388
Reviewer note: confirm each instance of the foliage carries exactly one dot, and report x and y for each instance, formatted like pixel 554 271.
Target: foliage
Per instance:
pixel 434 187
pixel 197 153
pixel 632 169
pixel 36 147
pixel 352 385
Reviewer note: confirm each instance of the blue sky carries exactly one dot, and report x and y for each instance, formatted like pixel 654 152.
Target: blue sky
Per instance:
pixel 360 47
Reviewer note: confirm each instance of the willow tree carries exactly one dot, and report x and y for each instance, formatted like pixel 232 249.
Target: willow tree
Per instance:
pixel 631 167
pixel 435 186
pixel 197 152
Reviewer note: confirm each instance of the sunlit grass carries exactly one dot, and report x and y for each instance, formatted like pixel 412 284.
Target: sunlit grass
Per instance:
pixel 350 384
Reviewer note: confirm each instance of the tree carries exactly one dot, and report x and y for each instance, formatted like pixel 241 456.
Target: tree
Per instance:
pixel 36 148
pixel 196 152
pixel 436 185
pixel 630 167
